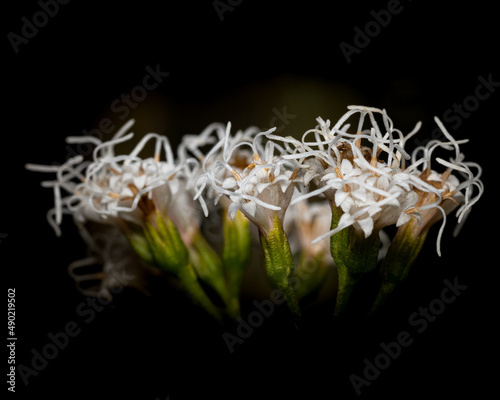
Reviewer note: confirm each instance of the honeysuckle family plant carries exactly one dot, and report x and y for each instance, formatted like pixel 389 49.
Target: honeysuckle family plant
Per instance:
pixel 321 200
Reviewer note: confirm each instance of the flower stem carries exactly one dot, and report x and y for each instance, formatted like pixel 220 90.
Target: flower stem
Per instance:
pixel 400 256
pixel 209 268
pixel 279 264
pixel 162 245
pixel 346 283
pixel 189 280
pixel 354 256
pixel 236 255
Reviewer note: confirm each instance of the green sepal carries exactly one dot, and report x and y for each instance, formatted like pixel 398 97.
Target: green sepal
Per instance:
pixel 237 245
pixel 161 245
pixel 141 246
pixel 402 253
pixel 236 253
pixel 166 245
pixel 188 277
pixel 354 254
pixel 279 264
pixel 209 268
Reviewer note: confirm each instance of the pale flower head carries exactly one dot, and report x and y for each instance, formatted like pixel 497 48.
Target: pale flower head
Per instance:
pixel 364 174
pixel 359 172
pixel 440 193
pixel 304 222
pixel 254 176
pixel 116 188
pixel 214 138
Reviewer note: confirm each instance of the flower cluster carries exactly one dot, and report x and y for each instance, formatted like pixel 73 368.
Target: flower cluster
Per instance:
pixel 345 182
pixel 371 182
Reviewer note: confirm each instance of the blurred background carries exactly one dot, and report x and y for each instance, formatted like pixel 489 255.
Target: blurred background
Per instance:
pixel 84 69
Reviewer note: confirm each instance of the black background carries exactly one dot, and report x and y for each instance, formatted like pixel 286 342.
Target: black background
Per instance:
pixel 63 81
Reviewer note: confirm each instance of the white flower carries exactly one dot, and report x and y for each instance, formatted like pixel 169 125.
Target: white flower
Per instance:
pixel 125 187
pixel 441 193
pixel 360 172
pixel 253 176
pixel 193 145
pixel 68 176
pixel 364 173
pixel 217 153
pixel 304 222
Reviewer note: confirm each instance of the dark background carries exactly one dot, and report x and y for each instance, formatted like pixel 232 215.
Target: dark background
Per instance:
pixel 262 56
